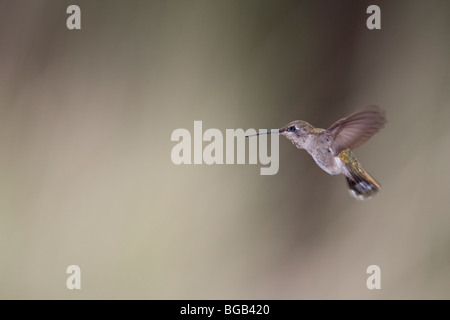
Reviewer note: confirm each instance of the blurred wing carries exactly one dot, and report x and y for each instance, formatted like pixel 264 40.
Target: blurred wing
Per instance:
pixel 357 128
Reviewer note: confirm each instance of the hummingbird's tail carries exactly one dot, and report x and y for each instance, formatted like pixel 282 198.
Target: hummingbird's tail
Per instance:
pixel 361 185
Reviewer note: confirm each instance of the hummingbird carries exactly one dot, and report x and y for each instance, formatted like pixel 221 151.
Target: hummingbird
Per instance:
pixel 332 148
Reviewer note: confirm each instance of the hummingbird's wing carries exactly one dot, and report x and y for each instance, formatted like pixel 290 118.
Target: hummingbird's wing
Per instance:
pixel 357 128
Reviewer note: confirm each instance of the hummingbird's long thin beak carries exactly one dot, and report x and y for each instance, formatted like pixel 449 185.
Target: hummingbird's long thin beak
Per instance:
pixel 267 132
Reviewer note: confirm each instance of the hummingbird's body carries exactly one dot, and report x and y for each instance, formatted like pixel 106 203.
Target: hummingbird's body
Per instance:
pixel 332 148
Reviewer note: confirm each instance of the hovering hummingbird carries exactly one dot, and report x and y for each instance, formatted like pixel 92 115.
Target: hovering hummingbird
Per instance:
pixel 332 148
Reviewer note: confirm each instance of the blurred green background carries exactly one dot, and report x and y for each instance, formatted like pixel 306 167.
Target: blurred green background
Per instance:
pixel 85 124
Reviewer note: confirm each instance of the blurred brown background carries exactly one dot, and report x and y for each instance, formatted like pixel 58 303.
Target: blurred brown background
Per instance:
pixel 85 124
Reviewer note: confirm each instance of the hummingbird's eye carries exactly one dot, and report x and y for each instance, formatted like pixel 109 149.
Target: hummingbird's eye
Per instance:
pixel 291 129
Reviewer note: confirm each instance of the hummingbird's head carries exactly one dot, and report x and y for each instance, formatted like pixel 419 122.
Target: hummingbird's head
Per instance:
pixel 297 131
